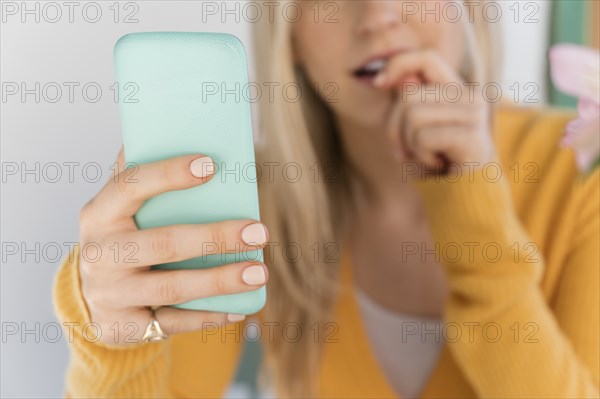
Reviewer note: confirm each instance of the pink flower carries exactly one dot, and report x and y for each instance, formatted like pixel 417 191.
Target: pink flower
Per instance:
pixel 575 70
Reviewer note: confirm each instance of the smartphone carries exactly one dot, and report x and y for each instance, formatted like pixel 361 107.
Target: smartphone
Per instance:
pixel 184 93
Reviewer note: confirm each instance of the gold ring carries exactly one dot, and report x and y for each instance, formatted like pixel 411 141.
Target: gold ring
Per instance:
pixel 153 331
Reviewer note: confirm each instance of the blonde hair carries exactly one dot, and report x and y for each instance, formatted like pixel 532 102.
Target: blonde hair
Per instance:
pixel 308 212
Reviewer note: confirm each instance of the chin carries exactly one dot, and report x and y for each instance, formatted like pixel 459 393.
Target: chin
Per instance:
pixel 371 119
pixel 364 114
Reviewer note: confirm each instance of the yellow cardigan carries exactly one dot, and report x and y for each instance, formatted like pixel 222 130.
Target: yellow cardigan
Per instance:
pixel 522 318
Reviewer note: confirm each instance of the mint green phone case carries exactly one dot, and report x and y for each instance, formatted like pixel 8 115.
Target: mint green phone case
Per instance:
pixel 165 83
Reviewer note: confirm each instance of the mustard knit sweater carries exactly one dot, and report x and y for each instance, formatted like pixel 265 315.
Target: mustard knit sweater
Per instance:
pixel 522 320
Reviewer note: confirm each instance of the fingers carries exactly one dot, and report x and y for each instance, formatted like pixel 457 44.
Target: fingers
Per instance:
pixel 130 327
pixel 431 116
pixel 411 117
pixel 176 321
pixel 430 142
pixel 426 63
pixel 434 134
pixel 180 242
pixel 126 193
pixel 170 287
pixel 397 123
pixel 413 114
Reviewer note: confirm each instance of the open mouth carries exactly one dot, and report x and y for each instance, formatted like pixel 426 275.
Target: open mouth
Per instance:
pixel 370 70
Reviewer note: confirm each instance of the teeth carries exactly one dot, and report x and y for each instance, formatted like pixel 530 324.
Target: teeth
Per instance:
pixel 375 66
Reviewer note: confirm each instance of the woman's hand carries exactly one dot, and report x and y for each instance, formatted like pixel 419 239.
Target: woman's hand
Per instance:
pixel 119 286
pixel 436 117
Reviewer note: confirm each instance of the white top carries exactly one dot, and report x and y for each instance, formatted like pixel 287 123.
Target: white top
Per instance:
pixel 406 346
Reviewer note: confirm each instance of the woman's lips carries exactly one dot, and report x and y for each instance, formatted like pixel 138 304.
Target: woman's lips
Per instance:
pixel 367 80
pixel 372 67
pixel 382 56
pixel 411 78
pixel 369 71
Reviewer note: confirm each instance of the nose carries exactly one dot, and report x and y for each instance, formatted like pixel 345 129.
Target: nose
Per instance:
pixel 377 16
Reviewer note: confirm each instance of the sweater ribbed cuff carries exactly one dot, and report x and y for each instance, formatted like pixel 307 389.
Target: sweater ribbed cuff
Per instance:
pixel 80 330
pixel 471 205
pixel 478 237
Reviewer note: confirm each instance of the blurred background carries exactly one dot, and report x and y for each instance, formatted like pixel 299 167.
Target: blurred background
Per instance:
pixel 60 134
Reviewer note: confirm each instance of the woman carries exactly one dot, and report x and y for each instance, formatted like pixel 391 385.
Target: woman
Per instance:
pixel 413 229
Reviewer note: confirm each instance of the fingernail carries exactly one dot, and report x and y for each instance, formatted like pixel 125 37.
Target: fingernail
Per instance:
pixel 202 167
pixel 254 234
pixel 379 79
pixel 233 317
pixel 254 275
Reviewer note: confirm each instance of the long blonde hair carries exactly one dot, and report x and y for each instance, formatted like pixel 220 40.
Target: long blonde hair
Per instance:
pixel 307 211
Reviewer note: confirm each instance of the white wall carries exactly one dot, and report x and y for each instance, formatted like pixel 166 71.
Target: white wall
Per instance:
pixel 525 26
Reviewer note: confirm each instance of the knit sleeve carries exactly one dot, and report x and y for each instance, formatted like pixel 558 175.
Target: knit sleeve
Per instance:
pixel 509 341
pixel 98 370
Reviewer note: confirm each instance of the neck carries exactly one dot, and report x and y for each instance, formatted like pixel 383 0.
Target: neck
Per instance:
pixel 376 175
